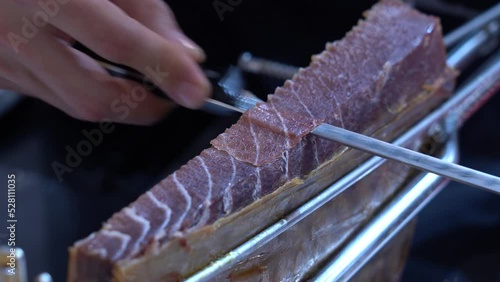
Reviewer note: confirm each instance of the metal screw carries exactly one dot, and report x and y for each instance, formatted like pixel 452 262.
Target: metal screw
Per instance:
pixel 438 133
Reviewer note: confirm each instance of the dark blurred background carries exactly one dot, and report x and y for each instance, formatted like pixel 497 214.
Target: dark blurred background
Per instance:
pixel 458 234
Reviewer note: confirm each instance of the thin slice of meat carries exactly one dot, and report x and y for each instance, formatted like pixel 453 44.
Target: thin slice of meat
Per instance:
pixel 265 133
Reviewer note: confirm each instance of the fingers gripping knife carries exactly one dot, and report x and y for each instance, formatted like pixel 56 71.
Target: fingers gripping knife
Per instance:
pixel 230 97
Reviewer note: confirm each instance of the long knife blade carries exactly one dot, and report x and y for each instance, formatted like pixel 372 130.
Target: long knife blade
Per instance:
pixel 415 159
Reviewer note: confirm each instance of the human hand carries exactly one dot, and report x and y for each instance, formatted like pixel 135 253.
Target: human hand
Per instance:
pixel 37 57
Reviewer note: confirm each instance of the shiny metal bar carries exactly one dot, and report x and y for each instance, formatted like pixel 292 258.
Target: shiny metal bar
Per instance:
pixel 464 54
pixel 212 105
pixel 472 96
pixel 415 159
pixel 403 208
pixel 472 26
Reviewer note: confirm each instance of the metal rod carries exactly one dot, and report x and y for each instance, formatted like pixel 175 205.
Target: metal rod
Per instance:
pixel 472 26
pixel 465 53
pixel 473 95
pixel 387 224
pixel 415 159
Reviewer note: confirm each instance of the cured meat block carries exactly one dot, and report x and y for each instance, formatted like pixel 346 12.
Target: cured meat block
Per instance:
pixel 383 75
